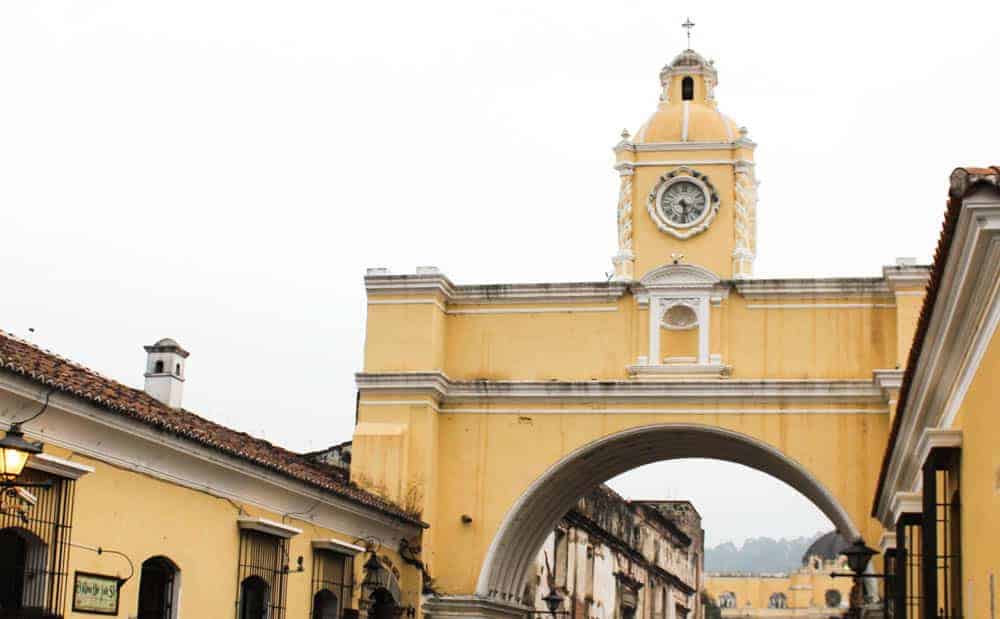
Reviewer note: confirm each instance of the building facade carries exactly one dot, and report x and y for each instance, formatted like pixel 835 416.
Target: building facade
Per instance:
pixel 809 591
pixel 153 512
pixel 614 559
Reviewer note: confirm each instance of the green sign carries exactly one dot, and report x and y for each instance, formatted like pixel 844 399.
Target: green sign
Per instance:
pixel 94 593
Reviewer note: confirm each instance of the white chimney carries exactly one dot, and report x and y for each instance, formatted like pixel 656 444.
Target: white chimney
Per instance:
pixel 165 371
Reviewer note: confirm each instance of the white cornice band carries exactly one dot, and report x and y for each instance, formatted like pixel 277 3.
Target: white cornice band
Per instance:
pixel 270 527
pixel 446 391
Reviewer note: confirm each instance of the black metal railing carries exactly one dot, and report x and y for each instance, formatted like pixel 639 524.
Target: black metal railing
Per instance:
pixel 262 576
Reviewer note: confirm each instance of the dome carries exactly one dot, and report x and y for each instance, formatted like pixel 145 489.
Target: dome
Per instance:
pixel 828 547
pixel 699 123
pixel 687 110
pixel 167 341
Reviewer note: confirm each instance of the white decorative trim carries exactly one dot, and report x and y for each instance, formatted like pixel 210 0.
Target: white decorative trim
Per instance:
pixel 905 503
pixel 759 306
pixel 445 390
pixel 933 438
pixel 706 369
pixel 660 412
pixel 666 147
pixel 965 317
pixel 532 310
pixel 270 527
pixel 58 466
pixel 471 607
pixel 759 289
pixel 906 276
pixel 337 546
pixel 563 292
pixel 433 302
pixel 889 381
pixel 887 541
pixel 685 115
pixel 668 163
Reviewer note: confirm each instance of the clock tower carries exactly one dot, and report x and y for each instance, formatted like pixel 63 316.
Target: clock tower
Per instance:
pixel 688 188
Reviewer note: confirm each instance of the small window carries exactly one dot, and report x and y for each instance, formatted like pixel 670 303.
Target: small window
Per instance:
pixel 158 367
pixel 727 600
pixel 687 88
pixel 777 600
pixel 177 369
pixel 833 598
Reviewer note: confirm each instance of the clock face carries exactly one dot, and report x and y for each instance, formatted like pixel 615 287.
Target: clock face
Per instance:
pixel 683 203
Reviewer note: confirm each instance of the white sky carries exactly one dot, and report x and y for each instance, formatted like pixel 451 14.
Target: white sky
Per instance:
pixel 221 172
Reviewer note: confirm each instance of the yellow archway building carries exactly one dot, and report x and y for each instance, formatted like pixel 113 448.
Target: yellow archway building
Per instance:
pixel 489 409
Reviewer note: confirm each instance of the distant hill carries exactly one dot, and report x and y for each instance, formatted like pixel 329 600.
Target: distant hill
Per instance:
pixel 758 555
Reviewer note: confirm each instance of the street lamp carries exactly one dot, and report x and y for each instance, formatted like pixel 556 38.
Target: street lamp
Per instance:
pixel 553 600
pixel 14 453
pixel 858 555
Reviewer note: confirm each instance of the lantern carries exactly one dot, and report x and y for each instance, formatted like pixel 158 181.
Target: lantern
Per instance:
pixel 14 453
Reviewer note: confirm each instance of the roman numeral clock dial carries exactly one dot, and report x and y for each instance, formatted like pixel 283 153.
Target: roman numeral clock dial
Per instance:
pixel 683 203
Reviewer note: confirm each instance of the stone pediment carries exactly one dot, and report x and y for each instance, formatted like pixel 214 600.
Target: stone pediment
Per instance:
pixel 679 276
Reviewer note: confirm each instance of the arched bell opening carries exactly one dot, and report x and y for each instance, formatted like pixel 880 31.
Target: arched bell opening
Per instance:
pixel 533 517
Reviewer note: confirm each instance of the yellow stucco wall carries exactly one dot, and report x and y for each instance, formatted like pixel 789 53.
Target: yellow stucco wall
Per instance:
pixel 142 517
pixel 802 590
pixel 980 483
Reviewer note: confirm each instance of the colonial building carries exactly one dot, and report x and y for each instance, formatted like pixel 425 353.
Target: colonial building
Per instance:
pixel 809 591
pixel 614 559
pixel 153 512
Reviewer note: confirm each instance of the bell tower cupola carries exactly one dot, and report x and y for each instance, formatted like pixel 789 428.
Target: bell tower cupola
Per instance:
pixel 688 191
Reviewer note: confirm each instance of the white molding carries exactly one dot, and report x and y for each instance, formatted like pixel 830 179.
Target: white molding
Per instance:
pixel 337 546
pixel 761 306
pixel 965 317
pixel 933 438
pixel 675 163
pixel 665 147
pixel 269 527
pixel 113 438
pixel 758 289
pixel 444 390
pixel 705 369
pixel 58 466
pixel 664 412
pixel 533 310
pixel 904 503
pixel 887 541
pixel 438 284
pixel 471 607
pixel 898 277
pixel 889 381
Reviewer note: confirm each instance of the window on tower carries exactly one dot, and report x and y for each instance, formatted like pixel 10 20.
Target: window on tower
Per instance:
pixel 687 88
pixel 158 368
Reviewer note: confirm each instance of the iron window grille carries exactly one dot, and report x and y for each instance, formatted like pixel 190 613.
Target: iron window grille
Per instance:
pixel 908 583
pixel 262 558
pixel 333 572
pixel 34 578
pixel 941 535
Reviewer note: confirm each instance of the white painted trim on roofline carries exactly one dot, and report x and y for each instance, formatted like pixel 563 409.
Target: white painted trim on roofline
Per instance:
pixel 444 390
pixel 904 503
pixel 110 437
pixel 58 466
pixel 760 306
pixel 269 527
pixel 495 310
pixel 965 317
pixel 666 147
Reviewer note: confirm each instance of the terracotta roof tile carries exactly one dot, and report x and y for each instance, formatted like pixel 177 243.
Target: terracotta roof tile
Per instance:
pixel 962 182
pixel 65 376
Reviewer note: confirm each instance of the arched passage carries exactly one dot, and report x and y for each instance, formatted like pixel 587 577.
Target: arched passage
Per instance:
pixel 537 511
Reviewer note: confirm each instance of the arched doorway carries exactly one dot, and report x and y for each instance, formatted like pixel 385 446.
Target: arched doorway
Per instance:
pixel 157 589
pixel 255 597
pixel 325 605
pixel 536 513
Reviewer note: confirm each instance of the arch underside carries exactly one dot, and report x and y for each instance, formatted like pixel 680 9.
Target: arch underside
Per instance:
pixel 543 504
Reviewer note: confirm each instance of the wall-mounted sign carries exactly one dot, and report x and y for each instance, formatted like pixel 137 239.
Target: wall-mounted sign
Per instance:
pixel 95 593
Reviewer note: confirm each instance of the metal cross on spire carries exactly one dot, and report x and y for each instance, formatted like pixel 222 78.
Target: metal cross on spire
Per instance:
pixel 688 25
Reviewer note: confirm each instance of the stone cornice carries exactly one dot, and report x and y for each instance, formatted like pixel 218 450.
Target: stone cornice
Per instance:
pixel 662 147
pixel 906 276
pixel 385 284
pixel 446 391
pixel 867 287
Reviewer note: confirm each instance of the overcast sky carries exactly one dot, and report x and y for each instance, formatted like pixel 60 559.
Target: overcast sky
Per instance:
pixel 221 172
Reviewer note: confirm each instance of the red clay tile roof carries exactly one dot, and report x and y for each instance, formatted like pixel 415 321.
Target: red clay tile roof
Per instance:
pixel 49 369
pixel 963 181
